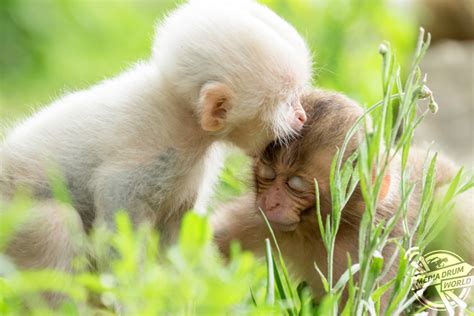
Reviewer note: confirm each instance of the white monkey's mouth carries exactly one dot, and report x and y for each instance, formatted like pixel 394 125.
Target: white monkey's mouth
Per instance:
pixel 286 138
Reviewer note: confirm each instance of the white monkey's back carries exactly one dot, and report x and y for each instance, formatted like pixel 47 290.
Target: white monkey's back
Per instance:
pixel 77 132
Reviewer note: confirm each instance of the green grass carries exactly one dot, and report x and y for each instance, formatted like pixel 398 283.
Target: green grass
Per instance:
pixel 190 278
pixel 395 119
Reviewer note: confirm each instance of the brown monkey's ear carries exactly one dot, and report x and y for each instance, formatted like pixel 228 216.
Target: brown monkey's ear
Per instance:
pixel 385 186
pixel 215 103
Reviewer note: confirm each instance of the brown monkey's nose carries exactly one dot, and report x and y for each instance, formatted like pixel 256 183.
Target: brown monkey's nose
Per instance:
pixel 273 206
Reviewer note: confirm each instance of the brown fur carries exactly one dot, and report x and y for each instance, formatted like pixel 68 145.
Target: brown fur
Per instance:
pixel 329 118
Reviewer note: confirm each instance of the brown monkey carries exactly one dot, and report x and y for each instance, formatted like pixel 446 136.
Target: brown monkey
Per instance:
pixel 284 190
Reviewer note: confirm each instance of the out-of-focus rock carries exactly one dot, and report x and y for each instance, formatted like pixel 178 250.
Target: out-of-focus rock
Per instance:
pixel 447 19
pixel 450 69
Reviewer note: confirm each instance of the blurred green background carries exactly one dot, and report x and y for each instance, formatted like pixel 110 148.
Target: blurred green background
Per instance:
pixel 48 47
pixel 51 46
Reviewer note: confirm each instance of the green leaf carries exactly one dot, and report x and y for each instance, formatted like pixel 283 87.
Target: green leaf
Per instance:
pixel 345 277
pixel 270 296
pixel 195 234
pixel 328 305
pixel 324 281
pixel 291 294
pixel 318 211
pixel 376 266
pixel 381 290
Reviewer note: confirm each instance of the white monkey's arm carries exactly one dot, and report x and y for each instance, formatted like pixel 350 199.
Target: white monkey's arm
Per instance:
pixel 212 167
pixel 157 190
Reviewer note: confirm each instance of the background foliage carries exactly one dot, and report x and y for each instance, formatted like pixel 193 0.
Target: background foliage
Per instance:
pixel 52 46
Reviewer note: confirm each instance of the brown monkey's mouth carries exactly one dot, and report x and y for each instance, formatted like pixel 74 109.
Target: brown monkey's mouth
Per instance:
pixel 280 223
pixel 309 215
pixel 310 211
pixel 284 227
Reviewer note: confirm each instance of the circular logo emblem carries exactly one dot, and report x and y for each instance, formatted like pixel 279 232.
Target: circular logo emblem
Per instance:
pixel 442 280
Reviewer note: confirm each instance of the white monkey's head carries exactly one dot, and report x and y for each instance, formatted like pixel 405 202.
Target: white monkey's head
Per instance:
pixel 239 66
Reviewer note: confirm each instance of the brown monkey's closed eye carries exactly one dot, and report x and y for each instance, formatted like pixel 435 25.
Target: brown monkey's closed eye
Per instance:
pixel 297 183
pixel 266 172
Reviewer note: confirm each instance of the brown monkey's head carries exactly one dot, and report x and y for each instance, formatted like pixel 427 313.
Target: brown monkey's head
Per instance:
pixel 284 175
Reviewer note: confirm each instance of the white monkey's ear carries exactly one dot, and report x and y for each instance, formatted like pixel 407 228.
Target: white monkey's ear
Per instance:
pixel 215 103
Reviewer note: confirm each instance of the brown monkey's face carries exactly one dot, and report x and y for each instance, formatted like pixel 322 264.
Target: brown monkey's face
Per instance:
pixel 285 187
pixel 284 175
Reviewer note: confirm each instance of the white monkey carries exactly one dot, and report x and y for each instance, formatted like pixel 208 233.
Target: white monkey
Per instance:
pixel 220 71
